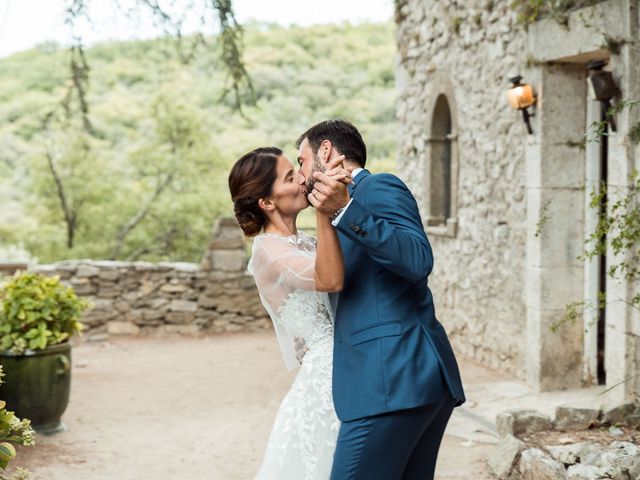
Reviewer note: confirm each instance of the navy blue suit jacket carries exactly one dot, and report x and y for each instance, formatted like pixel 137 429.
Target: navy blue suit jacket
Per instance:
pixel 390 352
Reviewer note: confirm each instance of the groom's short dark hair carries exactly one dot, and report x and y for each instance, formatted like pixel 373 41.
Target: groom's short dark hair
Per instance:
pixel 342 134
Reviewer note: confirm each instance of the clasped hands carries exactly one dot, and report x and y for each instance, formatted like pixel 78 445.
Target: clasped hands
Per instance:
pixel 330 192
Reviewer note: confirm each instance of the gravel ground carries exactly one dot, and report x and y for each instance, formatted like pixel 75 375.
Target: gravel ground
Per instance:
pixel 194 408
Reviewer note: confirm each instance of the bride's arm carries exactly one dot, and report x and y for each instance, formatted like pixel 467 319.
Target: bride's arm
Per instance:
pixel 329 268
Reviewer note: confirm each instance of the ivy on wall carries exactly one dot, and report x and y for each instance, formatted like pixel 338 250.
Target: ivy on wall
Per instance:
pixel 530 11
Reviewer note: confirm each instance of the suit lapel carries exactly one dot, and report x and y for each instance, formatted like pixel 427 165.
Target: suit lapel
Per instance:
pixel 352 186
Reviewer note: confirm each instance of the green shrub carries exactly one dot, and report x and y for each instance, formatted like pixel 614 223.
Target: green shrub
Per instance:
pixel 13 431
pixel 38 311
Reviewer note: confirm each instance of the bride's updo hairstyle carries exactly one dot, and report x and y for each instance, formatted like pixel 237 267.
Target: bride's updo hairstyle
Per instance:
pixel 252 178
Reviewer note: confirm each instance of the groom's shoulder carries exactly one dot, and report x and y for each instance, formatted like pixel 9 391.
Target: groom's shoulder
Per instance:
pixel 387 179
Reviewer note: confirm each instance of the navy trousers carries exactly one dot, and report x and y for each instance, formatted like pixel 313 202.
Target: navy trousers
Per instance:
pixel 400 445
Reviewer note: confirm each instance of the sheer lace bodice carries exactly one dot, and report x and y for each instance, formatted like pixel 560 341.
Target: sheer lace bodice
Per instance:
pixel 284 270
pixel 304 433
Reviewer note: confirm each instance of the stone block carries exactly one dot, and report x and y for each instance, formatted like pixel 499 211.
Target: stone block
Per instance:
pixel 147 287
pixel 584 452
pixel 226 235
pixel 213 289
pixel 133 316
pixel 86 271
pixel 122 328
pixel 506 456
pixel 174 288
pixel 619 414
pixel 180 317
pixel 554 166
pixel 583 34
pixel 585 472
pixel 633 421
pixel 183 306
pixel 569 418
pixel 93 319
pixel 550 288
pixel 556 214
pixel 103 305
pixel 562 113
pixel 521 422
pixel 109 292
pixel 207 302
pixel 84 289
pixel 537 465
pixel 227 260
pixel 554 359
pixel 621 460
pixel 228 303
pixel 110 275
pixel 156 303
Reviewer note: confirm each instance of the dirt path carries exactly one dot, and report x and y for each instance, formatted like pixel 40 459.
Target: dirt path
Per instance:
pixel 190 408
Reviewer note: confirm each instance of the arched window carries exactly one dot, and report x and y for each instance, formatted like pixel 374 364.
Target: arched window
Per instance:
pixel 440 191
pixel 442 169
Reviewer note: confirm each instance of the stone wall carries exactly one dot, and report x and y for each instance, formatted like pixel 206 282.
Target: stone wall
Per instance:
pixel 142 297
pixel 508 256
pixel 467 50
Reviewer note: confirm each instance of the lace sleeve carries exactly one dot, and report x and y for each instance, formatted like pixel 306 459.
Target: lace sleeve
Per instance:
pixel 289 261
pixel 282 266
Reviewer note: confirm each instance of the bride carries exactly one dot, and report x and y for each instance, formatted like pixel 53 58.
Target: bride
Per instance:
pixel 293 273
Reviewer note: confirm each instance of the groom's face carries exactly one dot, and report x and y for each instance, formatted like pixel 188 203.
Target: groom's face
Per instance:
pixel 311 162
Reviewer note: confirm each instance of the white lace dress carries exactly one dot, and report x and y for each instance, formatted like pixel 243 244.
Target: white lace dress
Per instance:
pixel 303 437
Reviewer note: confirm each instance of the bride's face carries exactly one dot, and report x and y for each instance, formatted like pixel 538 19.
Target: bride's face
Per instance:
pixel 289 193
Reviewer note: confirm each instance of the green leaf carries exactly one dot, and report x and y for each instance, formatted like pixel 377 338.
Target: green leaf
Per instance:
pixel 7 451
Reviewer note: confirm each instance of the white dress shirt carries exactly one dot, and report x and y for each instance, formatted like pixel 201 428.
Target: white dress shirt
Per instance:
pixel 336 220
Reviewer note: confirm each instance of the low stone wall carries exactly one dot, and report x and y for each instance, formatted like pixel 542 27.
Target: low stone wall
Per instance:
pixel 579 444
pixel 140 297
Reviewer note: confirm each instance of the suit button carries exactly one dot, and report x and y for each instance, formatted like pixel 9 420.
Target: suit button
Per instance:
pixel 355 228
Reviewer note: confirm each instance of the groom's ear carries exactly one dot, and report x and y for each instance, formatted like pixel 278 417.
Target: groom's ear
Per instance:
pixel 266 204
pixel 325 150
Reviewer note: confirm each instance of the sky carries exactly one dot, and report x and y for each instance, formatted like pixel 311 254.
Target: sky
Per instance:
pixel 26 23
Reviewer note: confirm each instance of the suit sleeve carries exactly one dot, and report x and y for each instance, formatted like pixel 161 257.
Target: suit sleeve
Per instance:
pixel 385 222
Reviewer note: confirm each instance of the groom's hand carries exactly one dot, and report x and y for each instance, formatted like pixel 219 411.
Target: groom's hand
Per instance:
pixel 330 191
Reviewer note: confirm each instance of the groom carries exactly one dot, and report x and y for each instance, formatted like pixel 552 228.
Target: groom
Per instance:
pixel 395 377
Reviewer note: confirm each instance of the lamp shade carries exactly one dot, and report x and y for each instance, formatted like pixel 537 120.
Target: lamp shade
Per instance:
pixel 521 96
pixel 602 86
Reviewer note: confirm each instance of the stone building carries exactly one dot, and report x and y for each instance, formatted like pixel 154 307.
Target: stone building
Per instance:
pixel 508 212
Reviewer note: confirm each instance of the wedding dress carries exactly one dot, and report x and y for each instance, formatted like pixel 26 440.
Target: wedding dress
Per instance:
pixel 303 437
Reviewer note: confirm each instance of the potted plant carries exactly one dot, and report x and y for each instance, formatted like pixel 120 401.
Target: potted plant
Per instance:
pixel 13 431
pixel 38 316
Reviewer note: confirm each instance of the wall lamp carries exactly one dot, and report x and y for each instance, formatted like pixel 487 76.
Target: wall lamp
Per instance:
pixel 521 97
pixel 602 87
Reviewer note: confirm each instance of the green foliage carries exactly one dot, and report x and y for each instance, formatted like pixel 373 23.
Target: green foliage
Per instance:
pixel 600 127
pixel 530 11
pixel 150 178
pixel 544 218
pixel 456 23
pixel 38 311
pixel 634 134
pixel 617 234
pixel 13 431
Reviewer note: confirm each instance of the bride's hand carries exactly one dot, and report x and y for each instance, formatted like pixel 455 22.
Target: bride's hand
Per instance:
pixel 330 191
pixel 337 171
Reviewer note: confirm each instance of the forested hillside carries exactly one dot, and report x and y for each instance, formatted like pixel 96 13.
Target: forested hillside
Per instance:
pixel 150 178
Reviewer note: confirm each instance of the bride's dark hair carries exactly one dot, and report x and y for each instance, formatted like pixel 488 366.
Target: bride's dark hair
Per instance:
pixel 252 178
